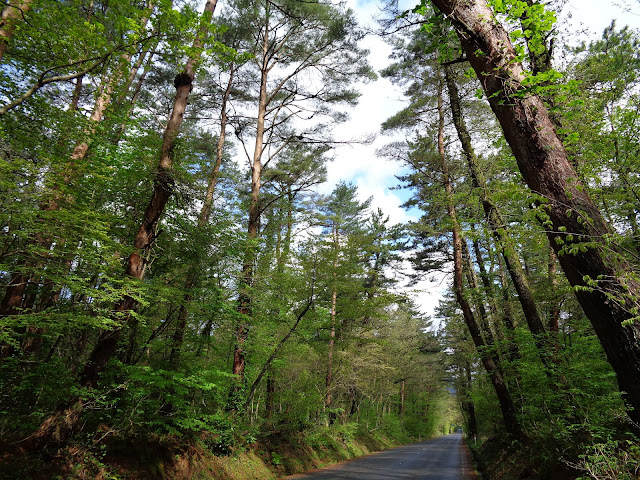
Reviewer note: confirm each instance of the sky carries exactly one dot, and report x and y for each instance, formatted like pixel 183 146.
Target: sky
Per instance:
pixel 375 176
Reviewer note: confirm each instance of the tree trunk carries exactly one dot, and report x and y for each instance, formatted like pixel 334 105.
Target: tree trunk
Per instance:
pixel 484 276
pixel 504 397
pixel 253 227
pixel 601 277
pixel 472 280
pixel 269 403
pixel 554 302
pixel 466 403
pixel 328 394
pixel 203 219
pixel 205 338
pixel 134 98
pixel 496 223
pixel 286 242
pixel 473 423
pixel 141 57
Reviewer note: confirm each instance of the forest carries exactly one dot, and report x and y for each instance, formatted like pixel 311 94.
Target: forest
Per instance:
pixel 180 299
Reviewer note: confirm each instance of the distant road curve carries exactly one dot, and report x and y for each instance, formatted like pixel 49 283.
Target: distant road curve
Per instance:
pixel 443 458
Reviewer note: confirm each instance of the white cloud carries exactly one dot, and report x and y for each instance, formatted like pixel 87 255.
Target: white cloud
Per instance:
pixel 358 162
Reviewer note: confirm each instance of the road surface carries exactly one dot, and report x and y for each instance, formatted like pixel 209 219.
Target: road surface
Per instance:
pixel 442 458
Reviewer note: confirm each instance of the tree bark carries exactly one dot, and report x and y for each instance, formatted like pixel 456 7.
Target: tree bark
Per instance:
pixel 468 408
pixel 253 226
pixel 496 223
pixel 134 97
pixel 269 403
pixel 504 397
pixel 484 276
pixel 203 219
pixel 601 277
pixel 472 280
pixel 328 393
pixel 554 302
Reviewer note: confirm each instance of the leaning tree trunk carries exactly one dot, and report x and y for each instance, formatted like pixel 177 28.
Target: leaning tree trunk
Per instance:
pixel 602 279
pixel 58 426
pixel 162 190
pixel 203 219
pixel 274 354
pixel 504 397
pixel 484 277
pixel 497 224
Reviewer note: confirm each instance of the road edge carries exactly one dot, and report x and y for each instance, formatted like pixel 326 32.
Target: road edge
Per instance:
pixel 468 470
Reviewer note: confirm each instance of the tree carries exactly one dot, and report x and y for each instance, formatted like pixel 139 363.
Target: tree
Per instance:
pixel 341 215
pixel 605 287
pixel 72 167
pixel 292 39
pixel 104 349
pixel 496 222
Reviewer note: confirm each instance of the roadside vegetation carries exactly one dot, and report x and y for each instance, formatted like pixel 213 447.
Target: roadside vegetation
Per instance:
pixel 178 301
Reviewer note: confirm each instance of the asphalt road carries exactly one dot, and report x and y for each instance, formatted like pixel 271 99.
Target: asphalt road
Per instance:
pixel 442 458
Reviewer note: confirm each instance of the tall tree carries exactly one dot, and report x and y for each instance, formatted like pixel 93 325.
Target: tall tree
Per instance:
pixel 604 283
pixel 58 426
pixel 496 222
pixel 341 216
pixel 493 369
pixel 292 39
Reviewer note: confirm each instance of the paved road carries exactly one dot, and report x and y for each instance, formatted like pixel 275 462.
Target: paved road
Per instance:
pixel 439 459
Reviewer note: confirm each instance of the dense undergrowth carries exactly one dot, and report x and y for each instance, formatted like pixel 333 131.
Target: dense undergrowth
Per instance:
pixel 499 458
pixel 239 455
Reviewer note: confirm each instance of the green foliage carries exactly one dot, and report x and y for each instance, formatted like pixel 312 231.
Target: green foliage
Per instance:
pixel 145 400
pixel 30 393
pixel 569 406
pixel 69 225
pixel 612 460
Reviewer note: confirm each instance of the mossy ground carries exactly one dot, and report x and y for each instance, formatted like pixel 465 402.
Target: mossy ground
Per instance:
pixel 281 454
pixel 274 455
